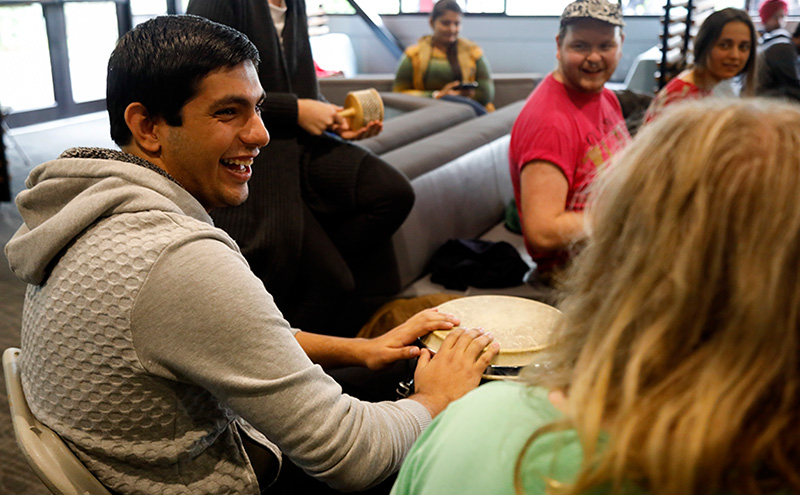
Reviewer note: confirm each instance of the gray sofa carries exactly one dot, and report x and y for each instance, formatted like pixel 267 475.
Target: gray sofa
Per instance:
pixel 459 173
pixel 458 165
pixel 462 183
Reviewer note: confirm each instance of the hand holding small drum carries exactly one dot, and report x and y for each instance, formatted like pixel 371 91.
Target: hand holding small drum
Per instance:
pixel 362 107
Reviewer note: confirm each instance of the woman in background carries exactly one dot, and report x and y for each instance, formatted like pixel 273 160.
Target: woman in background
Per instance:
pixel 676 368
pixel 777 54
pixel 442 65
pixel 724 47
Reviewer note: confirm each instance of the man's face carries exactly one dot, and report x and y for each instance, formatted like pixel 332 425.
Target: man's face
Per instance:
pixel 588 55
pixel 210 154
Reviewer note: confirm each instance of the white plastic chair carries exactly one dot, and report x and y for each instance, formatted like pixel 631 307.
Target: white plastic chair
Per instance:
pixel 46 453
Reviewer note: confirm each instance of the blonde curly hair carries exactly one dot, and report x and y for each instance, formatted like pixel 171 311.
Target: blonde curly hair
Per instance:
pixel 680 346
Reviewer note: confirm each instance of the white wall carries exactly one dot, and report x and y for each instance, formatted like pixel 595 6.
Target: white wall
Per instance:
pixel 511 44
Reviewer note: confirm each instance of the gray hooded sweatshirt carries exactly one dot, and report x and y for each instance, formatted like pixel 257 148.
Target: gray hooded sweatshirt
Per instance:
pixel 150 347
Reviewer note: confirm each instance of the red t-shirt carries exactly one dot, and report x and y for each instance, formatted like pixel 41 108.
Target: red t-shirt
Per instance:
pixel 575 131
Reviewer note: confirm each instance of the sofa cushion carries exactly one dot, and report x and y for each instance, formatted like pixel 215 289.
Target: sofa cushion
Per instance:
pixel 418 118
pixel 428 154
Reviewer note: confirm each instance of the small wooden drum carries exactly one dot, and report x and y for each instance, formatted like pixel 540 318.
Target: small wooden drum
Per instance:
pixel 362 107
pixel 521 326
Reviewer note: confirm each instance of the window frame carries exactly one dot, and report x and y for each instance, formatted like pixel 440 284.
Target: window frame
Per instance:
pixel 56 28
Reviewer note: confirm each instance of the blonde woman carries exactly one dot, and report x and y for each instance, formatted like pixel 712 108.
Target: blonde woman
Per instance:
pixel 676 369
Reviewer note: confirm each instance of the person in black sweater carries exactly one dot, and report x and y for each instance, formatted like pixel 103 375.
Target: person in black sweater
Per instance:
pixel 777 54
pixel 322 209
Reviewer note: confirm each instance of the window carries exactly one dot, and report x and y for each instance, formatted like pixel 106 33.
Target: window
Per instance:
pixel 23 44
pixel 57 51
pixel 508 7
pixel 91 35
pixel 148 7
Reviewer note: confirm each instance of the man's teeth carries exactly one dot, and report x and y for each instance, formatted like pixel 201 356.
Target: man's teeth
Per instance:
pixel 240 164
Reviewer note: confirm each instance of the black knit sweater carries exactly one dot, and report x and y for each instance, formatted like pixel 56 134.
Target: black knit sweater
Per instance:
pixel 269 226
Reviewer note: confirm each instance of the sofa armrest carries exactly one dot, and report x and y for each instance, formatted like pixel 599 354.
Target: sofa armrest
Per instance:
pixel 419 118
pixel 335 89
pixel 510 88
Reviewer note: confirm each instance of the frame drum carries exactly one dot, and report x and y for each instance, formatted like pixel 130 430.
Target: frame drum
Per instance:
pixel 521 326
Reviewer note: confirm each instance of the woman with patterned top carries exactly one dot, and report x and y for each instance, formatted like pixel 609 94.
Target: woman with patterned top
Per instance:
pixel 723 48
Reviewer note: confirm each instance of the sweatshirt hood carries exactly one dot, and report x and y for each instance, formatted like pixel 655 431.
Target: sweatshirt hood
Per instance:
pixel 66 196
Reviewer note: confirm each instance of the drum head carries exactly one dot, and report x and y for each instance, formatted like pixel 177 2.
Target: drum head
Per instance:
pixel 521 326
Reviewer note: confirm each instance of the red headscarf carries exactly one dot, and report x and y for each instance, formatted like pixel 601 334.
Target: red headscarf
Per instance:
pixel 769 8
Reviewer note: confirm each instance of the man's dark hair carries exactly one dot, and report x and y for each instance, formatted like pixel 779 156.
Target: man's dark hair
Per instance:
pixel 161 62
pixel 443 6
pixel 796 33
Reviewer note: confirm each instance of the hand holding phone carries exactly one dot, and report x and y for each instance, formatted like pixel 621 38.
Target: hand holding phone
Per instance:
pixel 466 85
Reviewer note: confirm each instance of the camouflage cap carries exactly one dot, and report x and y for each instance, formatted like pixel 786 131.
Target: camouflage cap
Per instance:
pixel 600 10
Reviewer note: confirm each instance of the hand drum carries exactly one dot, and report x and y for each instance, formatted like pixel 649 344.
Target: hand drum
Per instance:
pixel 521 326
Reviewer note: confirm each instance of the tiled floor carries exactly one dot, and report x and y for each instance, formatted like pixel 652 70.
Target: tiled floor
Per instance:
pixel 29 147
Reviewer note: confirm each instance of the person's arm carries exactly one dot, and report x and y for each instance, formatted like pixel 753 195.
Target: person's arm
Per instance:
pixel 546 224
pixel 484 94
pixel 203 318
pixel 317 116
pixel 404 79
pixel 376 353
pixel 456 369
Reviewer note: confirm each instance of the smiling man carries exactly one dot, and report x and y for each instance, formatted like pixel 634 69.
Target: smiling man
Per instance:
pixel 569 127
pixel 148 345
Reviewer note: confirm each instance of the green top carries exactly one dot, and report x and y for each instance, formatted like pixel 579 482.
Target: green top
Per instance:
pixel 438 73
pixel 472 447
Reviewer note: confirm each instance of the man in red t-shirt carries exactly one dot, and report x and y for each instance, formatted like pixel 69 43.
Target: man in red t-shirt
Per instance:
pixel 570 126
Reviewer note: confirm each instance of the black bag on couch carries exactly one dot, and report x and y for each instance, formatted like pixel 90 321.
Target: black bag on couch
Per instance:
pixel 461 263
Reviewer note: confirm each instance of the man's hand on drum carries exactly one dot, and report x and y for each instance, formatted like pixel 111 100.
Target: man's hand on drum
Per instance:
pixel 454 370
pixel 398 343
